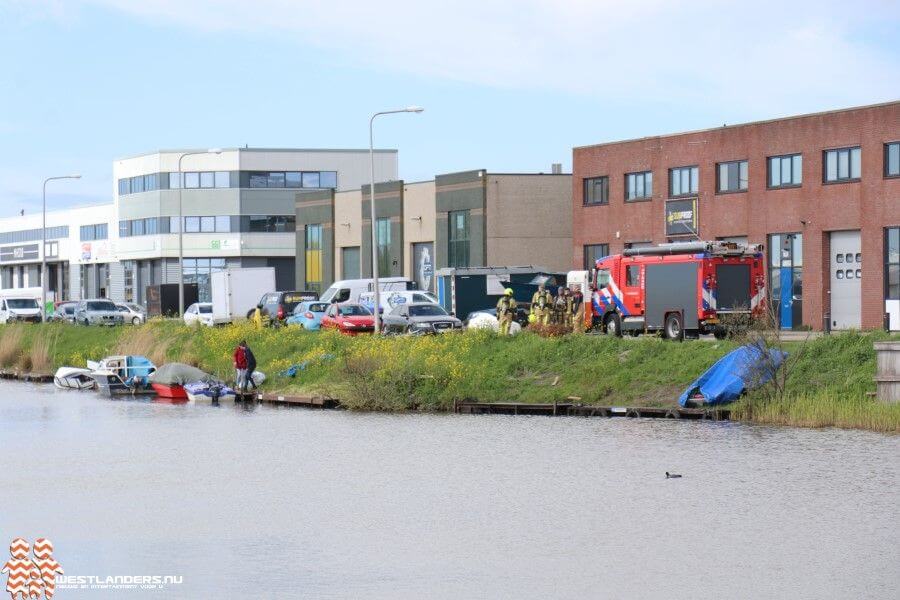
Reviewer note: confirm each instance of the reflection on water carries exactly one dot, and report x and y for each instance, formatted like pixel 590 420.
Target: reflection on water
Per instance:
pixel 324 504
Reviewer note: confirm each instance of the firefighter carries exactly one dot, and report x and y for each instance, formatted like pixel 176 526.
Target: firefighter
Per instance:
pixel 577 311
pixel 541 303
pixel 506 310
pixel 559 307
pixel 568 316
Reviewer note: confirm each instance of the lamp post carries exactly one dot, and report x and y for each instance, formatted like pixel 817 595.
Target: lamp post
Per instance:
pixel 44 245
pixel 181 225
pixel 408 109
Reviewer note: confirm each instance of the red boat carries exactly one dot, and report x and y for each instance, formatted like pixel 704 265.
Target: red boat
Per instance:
pixel 174 391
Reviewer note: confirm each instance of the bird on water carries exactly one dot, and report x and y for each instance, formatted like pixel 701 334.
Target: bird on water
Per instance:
pixel 672 475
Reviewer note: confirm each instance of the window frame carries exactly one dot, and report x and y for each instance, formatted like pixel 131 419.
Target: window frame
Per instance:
pixel 455 243
pixel 726 163
pixel 584 254
pixel 643 174
pixel 589 182
pixel 839 179
pixel 888 263
pixel 691 192
pixel 780 157
pixel 888 175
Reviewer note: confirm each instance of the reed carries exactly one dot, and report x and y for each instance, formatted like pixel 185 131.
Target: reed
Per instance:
pixel 40 353
pixel 821 409
pixel 12 344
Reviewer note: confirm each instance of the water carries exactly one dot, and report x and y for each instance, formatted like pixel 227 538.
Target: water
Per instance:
pixel 296 503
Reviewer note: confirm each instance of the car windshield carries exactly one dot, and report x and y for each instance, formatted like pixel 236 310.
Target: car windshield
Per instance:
pixel 354 310
pixel 22 303
pixel 135 307
pixel 318 307
pixel 427 310
pixel 102 305
pixel 205 309
pixel 425 297
pixel 122 307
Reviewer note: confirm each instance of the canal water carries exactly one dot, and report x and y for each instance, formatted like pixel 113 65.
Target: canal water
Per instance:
pixel 275 503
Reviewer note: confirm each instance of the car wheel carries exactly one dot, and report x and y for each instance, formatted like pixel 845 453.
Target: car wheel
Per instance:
pixel 136 321
pixel 674 327
pixel 87 323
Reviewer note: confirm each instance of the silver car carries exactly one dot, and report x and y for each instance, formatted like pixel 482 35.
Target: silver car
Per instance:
pixel 132 313
pixel 98 312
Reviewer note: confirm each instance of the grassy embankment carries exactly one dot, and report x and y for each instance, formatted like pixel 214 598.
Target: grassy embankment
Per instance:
pixel 828 385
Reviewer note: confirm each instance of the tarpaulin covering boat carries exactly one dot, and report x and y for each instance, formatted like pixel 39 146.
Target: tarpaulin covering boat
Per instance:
pixel 744 368
pixel 169 379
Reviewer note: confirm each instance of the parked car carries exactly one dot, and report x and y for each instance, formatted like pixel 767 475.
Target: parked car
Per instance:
pixel 308 315
pixel 98 311
pixel 64 311
pixel 19 310
pixel 389 299
pixel 420 317
pixel 275 307
pixel 350 319
pixel 132 313
pixel 199 312
pixel 487 319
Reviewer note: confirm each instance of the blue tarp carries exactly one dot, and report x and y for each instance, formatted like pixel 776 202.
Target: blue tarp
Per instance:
pixel 742 369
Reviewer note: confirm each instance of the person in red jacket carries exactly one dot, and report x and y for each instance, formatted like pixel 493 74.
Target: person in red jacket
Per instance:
pixel 240 366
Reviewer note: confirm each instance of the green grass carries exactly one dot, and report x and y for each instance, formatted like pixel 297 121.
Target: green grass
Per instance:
pixel 829 384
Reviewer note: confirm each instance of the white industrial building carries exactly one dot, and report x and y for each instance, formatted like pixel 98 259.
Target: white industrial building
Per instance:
pixel 237 206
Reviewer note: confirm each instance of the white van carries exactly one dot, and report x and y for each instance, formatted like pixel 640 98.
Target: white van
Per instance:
pixel 348 290
pixel 19 309
pixel 390 300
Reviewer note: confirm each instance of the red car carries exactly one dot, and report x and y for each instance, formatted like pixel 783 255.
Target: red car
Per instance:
pixel 349 319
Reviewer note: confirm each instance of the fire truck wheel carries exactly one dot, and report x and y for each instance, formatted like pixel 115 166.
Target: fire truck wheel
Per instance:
pixel 613 325
pixel 720 333
pixel 674 328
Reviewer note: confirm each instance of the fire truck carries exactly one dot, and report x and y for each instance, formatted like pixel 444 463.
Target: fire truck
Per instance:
pixel 679 289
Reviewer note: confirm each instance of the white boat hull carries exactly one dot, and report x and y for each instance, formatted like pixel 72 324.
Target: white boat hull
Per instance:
pixel 71 378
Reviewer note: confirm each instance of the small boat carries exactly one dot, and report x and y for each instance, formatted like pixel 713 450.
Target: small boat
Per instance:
pixel 208 391
pixel 168 381
pixel 122 374
pixel 73 378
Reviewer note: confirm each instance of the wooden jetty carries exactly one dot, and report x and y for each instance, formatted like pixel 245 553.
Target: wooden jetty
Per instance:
pixel 582 410
pixel 287 400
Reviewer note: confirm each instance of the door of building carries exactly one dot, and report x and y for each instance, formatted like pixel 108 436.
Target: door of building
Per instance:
pixel 423 265
pixel 846 287
pixel 786 278
pixel 350 262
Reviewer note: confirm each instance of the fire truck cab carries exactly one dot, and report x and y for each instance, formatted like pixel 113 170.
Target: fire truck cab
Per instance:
pixel 679 289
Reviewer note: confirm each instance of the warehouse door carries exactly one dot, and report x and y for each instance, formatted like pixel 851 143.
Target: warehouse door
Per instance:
pixel 846 288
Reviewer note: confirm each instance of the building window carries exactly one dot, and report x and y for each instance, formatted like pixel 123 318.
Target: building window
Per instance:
pixel 732 176
pixel 843 164
pixel 268 224
pixel 223 179
pixel 89 233
pixel 596 190
pixel 892 159
pixel 150 226
pixel 311 180
pixel 192 224
pixel 191 180
pixel 350 263
pixel 786 278
pixel 199 271
pixel 785 171
pixel 137 185
pixel 293 179
pixel 223 224
pixel 458 239
pixel 314 260
pixel 124 186
pixel 593 253
pixel 207 224
pixel 207 180
pixel 328 179
pixel 383 237
pixel 638 186
pixel 892 263
pixel 174 181
pixel 684 181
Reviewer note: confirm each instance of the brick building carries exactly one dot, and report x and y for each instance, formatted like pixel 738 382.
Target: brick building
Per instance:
pixel 820 191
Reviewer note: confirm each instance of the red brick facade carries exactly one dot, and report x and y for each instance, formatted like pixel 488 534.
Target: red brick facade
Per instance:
pixel 813 209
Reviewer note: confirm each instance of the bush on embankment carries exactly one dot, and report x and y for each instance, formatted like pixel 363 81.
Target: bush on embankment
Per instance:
pixel 431 372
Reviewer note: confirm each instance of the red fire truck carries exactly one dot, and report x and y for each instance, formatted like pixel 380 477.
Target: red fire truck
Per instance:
pixel 680 289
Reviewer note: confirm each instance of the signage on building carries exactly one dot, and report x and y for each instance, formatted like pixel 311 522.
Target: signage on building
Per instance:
pixel 682 217
pixel 15 253
pixel 224 245
pixel 94 250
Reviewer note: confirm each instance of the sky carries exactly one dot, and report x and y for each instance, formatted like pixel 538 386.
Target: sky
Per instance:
pixel 506 86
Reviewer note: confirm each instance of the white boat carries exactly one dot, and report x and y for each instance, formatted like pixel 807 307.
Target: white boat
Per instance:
pixel 73 378
pixel 122 374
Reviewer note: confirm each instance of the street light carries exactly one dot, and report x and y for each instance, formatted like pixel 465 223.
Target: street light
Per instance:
pixel 44 245
pixel 408 109
pixel 181 225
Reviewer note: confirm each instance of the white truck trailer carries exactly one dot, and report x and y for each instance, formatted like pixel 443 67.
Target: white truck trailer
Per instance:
pixel 237 291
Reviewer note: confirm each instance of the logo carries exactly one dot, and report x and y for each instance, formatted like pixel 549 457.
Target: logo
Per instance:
pixel 30 578
pixel 19 253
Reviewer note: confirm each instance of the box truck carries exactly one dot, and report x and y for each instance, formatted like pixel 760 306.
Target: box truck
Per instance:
pixel 236 291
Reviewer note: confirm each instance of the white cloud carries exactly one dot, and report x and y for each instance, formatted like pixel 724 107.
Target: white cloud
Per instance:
pixel 764 55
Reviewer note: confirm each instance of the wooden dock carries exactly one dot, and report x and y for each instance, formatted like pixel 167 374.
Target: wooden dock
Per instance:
pixel 286 400
pixel 581 410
